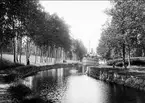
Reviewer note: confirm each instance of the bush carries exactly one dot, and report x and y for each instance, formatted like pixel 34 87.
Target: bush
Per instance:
pixel 23 94
pixel 19 92
pixel 137 61
pixel 10 78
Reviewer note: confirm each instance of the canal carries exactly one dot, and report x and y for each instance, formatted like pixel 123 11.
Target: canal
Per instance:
pixel 70 86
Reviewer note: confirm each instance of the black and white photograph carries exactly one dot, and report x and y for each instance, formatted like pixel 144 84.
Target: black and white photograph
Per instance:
pixel 72 51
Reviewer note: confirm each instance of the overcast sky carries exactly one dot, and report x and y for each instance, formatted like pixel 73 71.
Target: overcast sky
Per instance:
pixel 84 17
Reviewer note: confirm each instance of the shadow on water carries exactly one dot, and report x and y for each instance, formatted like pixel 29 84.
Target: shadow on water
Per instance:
pixel 123 94
pixel 23 94
pixel 9 78
pixel 22 91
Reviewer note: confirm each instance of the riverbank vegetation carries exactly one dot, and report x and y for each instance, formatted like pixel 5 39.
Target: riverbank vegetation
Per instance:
pixel 7 65
pixel 12 72
pixel 131 77
pixel 23 94
pixel 134 61
pixel 123 36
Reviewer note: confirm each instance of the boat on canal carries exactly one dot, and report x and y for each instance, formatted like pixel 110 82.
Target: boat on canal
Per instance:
pixel 90 61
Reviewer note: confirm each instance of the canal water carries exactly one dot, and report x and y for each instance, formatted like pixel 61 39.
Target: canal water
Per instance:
pixel 70 86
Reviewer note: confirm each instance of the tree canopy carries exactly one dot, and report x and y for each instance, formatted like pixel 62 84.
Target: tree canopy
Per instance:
pixel 79 49
pixel 27 17
pixel 125 33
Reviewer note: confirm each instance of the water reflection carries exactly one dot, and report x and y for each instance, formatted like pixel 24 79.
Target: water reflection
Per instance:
pixel 28 82
pixel 84 89
pixel 68 86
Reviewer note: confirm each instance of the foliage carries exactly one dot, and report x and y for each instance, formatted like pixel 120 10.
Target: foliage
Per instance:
pixel 14 17
pixel 125 31
pixel 54 32
pixel 135 61
pixel 19 18
pixel 5 64
pixel 80 49
pixel 19 91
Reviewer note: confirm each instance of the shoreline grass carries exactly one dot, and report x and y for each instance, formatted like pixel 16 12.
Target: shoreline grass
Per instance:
pixel 6 64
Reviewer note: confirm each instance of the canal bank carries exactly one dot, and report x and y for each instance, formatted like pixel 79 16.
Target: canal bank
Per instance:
pixel 133 77
pixel 20 72
pixel 69 85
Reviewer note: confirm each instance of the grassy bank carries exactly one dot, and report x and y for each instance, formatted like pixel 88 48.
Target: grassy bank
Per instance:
pixel 7 65
pixel 131 77
pixel 15 71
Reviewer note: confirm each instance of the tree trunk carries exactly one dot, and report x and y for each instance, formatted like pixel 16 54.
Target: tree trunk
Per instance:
pixel 128 56
pixel 50 54
pixel 54 55
pixel 35 54
pixel 14 52
pixel 123 52
pixel 1 56
pixel 60 54
pixel 27 51
pixel 143 52
pixel 47 56
pixel 16 47
pixel 20 50
pixel 40 55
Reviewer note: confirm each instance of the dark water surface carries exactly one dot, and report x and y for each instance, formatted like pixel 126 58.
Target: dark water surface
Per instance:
pixel 69 86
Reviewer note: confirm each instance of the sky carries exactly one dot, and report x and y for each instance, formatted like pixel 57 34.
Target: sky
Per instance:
pixel 85 18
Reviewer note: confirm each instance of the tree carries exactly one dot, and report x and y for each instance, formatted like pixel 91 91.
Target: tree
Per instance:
pixel 27 19
pixel 127 24
pixel 54 33
pixel 15 14
pixel 80 49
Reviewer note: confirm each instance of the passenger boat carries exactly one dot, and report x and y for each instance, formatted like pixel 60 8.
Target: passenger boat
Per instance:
pixel 90 61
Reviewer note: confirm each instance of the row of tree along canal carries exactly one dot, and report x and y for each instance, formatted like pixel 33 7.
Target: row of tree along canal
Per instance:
pixel 26 28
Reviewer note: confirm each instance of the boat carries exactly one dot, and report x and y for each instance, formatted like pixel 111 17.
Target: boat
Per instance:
pixel 90 61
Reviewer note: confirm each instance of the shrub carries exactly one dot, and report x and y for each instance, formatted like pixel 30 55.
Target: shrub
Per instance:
pixel 137 61
pixel 19 92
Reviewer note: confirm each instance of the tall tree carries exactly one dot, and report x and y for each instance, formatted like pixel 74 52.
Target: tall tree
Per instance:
pixel 80 49
pixel 127 24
